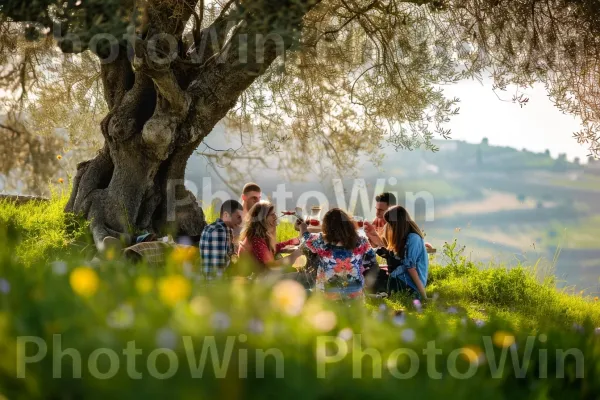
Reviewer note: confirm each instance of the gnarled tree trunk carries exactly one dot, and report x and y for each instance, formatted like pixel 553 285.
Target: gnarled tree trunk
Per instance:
pixel 160 113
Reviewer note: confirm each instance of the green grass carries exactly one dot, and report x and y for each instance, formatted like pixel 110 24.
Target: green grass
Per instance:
pixel 115 303
pixel 43 229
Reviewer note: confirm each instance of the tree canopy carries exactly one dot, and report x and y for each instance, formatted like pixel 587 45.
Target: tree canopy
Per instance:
pixel 330 78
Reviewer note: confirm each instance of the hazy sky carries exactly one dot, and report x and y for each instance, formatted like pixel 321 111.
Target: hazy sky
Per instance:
pixel 537 126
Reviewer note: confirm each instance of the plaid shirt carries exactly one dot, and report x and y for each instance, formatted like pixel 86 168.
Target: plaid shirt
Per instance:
pixel 216 248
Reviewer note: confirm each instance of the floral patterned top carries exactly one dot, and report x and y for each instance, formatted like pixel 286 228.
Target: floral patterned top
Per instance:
pixel 340 270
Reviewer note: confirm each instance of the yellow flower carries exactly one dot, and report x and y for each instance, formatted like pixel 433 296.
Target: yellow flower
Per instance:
pixel 183 254
pixel 596 298
pixel 144 284
pixel 503 339
pixel 288 296
pixel 84 281
pixel 300 262
pixel 61 180
pixel 472 353
pixel 173 289
pixel 59 157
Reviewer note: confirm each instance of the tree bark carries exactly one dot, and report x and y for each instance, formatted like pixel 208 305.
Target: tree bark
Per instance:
pixel 158 115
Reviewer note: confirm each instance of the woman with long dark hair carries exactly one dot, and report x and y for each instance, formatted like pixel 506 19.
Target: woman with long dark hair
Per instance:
pixel 403 247
pixel 258 238
pixel 342 256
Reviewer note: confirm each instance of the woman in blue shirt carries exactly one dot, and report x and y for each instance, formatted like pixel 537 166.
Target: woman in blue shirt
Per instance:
pixel 403 247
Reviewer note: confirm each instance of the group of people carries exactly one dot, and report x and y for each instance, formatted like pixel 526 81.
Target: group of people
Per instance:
pixel 343 259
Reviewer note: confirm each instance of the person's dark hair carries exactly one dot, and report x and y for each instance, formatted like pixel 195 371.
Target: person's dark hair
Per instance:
pixel 386 197
pixel 251 187
pixel 230 206
pixel 339 227
pixel 398 226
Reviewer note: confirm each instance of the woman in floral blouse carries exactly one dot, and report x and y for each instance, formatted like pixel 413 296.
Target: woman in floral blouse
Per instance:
pixel 258 238
pixel 342 254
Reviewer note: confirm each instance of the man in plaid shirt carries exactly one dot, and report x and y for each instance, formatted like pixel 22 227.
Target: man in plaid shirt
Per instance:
pixel 216 242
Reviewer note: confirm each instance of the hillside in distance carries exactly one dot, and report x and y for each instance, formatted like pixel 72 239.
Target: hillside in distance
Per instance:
pixel 505 205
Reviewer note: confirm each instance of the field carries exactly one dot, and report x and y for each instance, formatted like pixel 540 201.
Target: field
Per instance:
pixel 94 315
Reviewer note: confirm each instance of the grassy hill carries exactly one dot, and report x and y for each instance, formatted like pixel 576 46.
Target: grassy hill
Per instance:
pixel 51 295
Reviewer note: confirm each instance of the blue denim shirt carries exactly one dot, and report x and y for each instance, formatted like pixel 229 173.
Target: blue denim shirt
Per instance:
pixel 415 256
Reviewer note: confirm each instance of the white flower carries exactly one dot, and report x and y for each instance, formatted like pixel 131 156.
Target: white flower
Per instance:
pixel 4 286
pixel 59 267
pixel 408 335
pixel 221 321
pixel 324 321
pixel 256 326
pixel 346 334
pixel 166 338
pixel 399 319
pixel 121 318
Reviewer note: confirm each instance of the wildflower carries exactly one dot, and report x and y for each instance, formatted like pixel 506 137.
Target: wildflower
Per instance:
pixel 300 262
pixel 578 327
pixel 473 354
pixel 183 254
pixel 288 296
pixel 173 289
pixel 144 284
pixel 84 281
pixel 399 319
pixel 417 305
pixel 346 334
pixel 596 298
pixel 256 326
pixel 121 318
pixel 61 180
pixel 597 331
pixel 221 321
pixel 200 305
pixel 59 267
pixel 479 323
pixel 408 335
pixel 324 321
pixel 59 157
pixel 4 286
pixel 503 339
pixel 166 338
pixel 452 310
pixel 382 307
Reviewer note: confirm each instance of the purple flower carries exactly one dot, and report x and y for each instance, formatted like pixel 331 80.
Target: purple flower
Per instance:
pixel 4 286
pixel 452 310
pixel 382 307
pixel 479 323
pixel 417 305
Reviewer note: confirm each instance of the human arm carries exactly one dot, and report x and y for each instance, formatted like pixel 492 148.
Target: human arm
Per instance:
pixel 412 272
pixel 291 242
pixel 414 251
pixel 371 232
